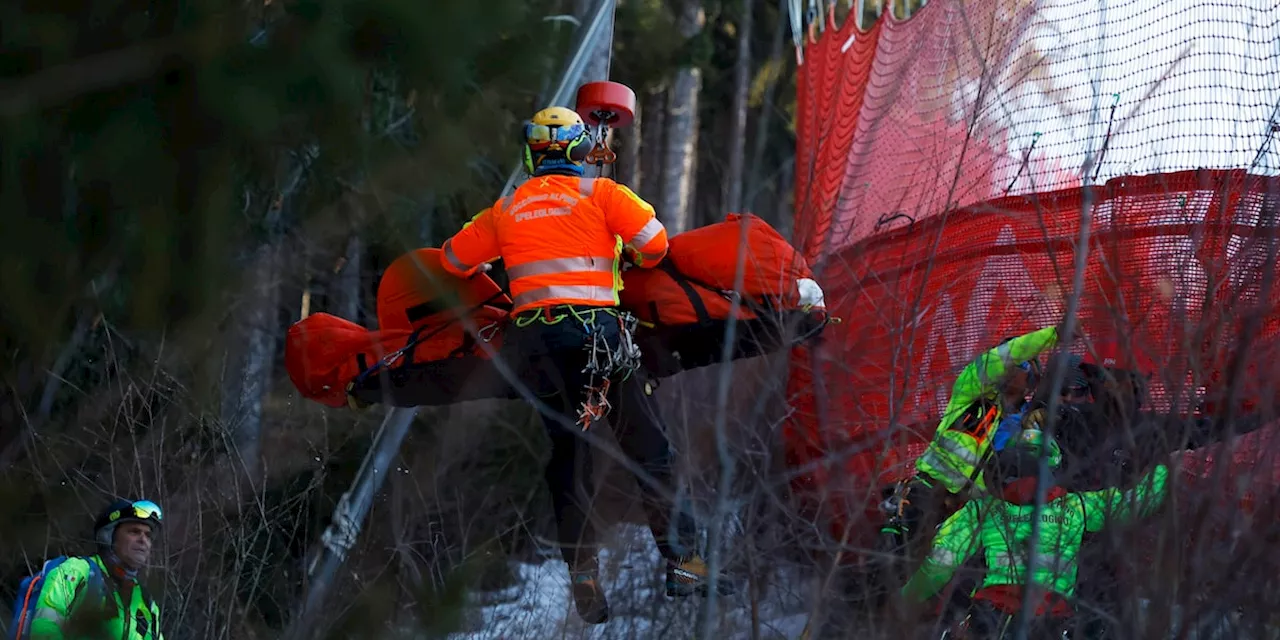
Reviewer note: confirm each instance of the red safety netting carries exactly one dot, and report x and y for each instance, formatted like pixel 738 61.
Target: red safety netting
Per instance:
pixel 939 163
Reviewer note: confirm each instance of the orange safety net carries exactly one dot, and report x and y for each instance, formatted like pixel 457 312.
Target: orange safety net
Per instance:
pixel 939 163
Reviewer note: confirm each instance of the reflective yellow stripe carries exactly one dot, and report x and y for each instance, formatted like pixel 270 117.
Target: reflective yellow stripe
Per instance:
pixel 562 292
pixel 453 258
pixel 1004 559
pixel 957 449
pixel 951 460
pixel 560 265
pixel 1005 353
pixel 944 556
pixel 1054 564
pixel 946 473
pixel 648 232
pixel 47 613
pixel 617 256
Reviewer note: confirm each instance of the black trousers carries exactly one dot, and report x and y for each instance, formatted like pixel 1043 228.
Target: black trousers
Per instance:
pixel 550 356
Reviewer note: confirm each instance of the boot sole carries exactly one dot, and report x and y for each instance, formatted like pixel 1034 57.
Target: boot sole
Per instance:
pixel 589 614
pixel 602 618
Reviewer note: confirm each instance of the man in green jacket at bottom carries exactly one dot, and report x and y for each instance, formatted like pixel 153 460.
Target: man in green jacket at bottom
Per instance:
pixel 105 600
pixel 1000 526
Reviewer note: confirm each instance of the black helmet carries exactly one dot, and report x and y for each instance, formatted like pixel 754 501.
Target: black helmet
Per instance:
pixel 1074 378
pixel 1021 457
pixel 145 511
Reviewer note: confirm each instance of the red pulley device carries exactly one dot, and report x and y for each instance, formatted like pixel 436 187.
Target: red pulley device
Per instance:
pixel 602 105
pixel 609 103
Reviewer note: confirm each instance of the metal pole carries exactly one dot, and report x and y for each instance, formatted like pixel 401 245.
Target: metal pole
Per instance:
pixel 572 75
pixel 349 515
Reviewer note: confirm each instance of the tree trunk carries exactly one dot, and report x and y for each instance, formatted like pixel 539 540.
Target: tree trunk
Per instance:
pixel 597 68
pixel 247 384
pixel 680 155
pixel 347 283
pixel 250 381
pixel 784 209
pixel 741 92
pixel 765 117
pixel 628 168
pixel 426 228
pixel 654 106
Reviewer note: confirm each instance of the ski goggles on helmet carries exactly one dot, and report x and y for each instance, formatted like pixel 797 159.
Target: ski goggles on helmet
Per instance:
pixel 141 510
pixel 541 136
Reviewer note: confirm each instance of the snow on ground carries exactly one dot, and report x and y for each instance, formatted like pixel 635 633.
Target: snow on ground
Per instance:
pixel 633 575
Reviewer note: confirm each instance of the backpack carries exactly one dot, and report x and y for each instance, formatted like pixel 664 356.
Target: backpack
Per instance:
pixel 24 607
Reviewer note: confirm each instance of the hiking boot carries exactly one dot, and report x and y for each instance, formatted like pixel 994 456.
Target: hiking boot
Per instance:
pixel 588 597
pixel 689 576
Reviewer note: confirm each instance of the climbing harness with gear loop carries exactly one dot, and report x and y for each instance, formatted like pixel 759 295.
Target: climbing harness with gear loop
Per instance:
pixel 604 363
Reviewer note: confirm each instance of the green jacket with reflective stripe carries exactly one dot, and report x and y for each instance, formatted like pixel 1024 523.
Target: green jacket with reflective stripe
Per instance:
pixel 955 452
pixel 1002 530
pixel 70 608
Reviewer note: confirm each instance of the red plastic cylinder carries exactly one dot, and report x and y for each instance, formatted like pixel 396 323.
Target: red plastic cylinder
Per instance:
pixel 612 103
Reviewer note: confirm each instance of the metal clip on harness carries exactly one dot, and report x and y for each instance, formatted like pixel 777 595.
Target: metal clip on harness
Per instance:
pixel 605 363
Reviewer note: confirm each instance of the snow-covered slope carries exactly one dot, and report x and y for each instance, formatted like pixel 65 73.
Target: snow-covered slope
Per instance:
pixel 539 605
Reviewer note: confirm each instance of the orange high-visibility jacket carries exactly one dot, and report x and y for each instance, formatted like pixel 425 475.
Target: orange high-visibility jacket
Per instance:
pixel 560 238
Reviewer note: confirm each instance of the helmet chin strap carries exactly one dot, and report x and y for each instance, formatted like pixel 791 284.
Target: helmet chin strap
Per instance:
pixel 116 565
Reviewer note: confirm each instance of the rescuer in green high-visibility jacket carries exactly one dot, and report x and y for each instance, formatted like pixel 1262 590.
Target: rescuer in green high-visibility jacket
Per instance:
pixel 995 382
pixel 1000 525
pixel 963 437
pixel 100 596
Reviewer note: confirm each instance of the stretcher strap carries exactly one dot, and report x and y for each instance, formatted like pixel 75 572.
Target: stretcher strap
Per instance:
pixel 419 336
pixel 683 281
pixel 750 304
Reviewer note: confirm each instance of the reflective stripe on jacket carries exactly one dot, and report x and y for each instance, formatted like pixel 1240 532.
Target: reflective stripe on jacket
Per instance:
pixel 560 239
pixel 65 594
pixel 959 445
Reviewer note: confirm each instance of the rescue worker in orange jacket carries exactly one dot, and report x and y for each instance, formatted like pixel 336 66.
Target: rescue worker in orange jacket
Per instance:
pixel 561 237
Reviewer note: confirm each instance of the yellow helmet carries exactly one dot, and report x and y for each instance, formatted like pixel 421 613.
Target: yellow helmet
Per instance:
pixel 555 138
pixel 557 116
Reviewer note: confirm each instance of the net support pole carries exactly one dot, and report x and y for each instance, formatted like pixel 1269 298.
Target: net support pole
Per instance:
pixel 598 25
pixel 348 517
